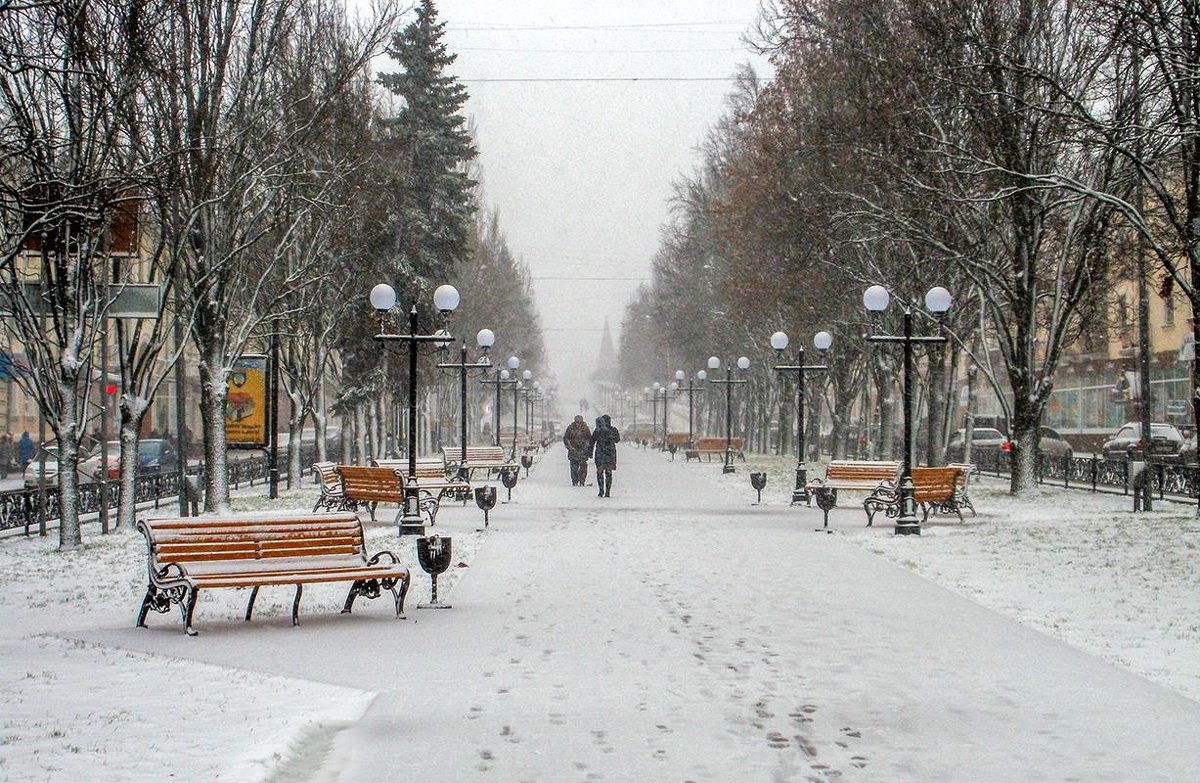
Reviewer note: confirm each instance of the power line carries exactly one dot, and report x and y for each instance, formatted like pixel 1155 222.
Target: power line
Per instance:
pixel 525 50
pixel 588 279
pixel 740 23
pixel 609 79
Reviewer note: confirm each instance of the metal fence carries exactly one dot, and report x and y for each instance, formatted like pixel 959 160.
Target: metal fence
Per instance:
pixel 1171 480
pixel 23 508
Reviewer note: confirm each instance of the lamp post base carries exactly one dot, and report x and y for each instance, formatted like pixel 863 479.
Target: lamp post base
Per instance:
pixel 411 523
pixel 800 490
pixel 728 468
pixel 907 523
pixel 412 527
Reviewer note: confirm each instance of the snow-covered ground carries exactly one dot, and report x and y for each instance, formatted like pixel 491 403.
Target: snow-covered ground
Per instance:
pixel 672 632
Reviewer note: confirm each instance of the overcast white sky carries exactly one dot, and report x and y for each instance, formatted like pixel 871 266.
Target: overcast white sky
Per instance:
pixel 581 171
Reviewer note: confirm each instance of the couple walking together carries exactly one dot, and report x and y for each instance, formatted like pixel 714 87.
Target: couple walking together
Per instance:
pixel 599 444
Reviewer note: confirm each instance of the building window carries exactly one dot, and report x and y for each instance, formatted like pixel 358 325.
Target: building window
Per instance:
pixel 1169 311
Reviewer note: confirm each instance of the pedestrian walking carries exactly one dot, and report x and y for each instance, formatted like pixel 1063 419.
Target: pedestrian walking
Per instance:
pixel 604 451
pixel 7 453
pixel 578 440
pixel 25 449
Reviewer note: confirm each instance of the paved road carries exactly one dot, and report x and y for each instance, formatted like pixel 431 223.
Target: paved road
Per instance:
pixel 674 633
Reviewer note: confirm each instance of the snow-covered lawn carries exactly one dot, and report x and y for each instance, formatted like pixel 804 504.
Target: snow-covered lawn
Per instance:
pixel 1080 566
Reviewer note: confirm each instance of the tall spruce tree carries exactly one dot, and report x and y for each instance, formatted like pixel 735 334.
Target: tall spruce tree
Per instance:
pixel 434 204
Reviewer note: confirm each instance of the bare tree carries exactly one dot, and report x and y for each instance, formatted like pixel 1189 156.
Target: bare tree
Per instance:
pixel 68 70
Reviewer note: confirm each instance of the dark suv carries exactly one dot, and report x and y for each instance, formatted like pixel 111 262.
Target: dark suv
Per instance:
pixel 155 455
pixel 1166 441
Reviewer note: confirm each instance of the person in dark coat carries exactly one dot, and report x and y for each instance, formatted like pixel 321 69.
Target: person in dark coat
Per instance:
pixel 25 449
pixel 604 451
pixel 578 440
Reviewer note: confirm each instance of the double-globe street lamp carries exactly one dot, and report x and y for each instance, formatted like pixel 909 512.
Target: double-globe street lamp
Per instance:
pixel 383 299
pixel 503 378
pixel 937 301
pixel 743 364
pixel 691 390
pixel 485 339
pixel 821 341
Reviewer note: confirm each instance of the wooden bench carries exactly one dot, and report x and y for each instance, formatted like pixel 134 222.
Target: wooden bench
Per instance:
pixel 525 444
pixel 368 486
pixel 433 478
pixel 714 446
pixel 962 490
pixel 190 554
pixel 850 475
pixel 331 498
pixel 490 459
pixel 934 489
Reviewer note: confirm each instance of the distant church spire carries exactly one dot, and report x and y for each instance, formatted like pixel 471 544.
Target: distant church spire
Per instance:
pixel 606 364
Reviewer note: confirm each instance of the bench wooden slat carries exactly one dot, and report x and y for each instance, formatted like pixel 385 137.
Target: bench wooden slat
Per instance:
pixel 256 550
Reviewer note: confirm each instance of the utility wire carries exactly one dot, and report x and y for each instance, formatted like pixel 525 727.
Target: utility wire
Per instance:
pixel 607 79
pixel 524 50
pixel 740 23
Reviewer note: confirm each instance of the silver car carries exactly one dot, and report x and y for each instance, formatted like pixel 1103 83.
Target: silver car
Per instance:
pixel 33 471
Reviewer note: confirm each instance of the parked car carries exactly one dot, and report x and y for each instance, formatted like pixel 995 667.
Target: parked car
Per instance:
pixel 982 439
pixel 155 455
pixel 1052 444
pixel 33 471
pixel 1166 441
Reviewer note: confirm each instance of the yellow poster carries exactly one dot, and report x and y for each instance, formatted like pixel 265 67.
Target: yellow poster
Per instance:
pixel 246 403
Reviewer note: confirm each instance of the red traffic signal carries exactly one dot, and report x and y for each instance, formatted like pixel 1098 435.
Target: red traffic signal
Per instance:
pixel 110 388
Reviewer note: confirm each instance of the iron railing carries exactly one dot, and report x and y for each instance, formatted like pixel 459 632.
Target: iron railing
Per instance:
pixel 1171 479
pixel 22 508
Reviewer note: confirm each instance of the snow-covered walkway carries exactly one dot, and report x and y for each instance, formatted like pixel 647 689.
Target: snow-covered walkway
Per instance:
pixel 669 633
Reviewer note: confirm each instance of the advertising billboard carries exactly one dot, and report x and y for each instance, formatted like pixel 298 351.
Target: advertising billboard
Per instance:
pixel 246 403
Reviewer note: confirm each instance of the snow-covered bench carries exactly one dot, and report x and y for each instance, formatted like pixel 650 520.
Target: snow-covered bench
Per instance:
pixel 714 447
pixel 934 489
pixel 486 458
pixel 850 475
pixel 189 554
pixel 433 478
pixel 370 485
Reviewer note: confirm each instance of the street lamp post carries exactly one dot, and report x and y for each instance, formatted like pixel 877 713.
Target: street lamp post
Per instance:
pixel 779 341
pixel 503 378
pixel 668 393
pixel 383 299
pixel 485 339
pixel 650 394
pixel 691 389
pixel 969 434
pixel 743 364
pixel 937 301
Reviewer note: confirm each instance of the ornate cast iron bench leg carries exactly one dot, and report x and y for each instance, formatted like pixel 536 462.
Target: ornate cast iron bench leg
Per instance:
pixel 296 605
pixel 250 603
pixel 189 610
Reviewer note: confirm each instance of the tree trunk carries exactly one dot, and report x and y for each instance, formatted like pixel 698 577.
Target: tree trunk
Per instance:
pixel 213 393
